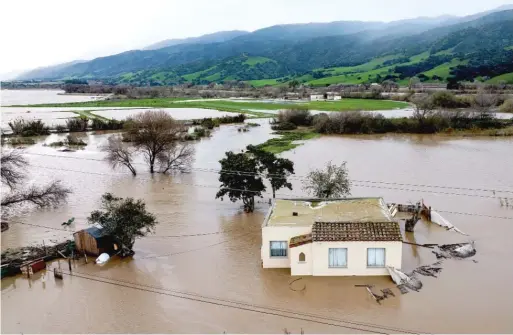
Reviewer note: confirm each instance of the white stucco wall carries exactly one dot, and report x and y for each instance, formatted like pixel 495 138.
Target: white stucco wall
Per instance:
pixel 298 268
pixel 281 233
pixel 356 258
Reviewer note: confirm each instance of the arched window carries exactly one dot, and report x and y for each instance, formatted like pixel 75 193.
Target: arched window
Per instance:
pixel 302 257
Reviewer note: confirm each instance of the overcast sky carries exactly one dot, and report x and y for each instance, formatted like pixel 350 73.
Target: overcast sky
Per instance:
pixel 46 32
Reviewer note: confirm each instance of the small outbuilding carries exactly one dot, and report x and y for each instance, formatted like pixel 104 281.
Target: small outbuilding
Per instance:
pixel 94 241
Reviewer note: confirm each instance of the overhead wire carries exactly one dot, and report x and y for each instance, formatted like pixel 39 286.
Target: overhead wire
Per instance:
pixel 242 303
pixel 196 185
pixel 297 177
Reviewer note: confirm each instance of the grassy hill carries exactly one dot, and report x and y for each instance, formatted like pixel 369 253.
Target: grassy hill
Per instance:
pixel 319 54
pixel 507 77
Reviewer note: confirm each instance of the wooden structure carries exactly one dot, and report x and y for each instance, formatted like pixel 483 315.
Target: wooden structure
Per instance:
pixel 93 241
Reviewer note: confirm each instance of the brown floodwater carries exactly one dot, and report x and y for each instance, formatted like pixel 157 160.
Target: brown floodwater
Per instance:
pixel 215 283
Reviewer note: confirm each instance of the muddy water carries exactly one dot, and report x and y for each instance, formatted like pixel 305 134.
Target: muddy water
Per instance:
pixel 467 296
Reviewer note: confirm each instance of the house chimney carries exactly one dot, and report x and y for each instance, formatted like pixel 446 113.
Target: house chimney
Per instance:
pixel 294 214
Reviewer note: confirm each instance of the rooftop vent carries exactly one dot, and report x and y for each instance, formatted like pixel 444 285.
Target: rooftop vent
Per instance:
pixel 294 214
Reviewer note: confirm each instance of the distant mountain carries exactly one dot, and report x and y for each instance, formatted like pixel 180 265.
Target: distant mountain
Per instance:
pixel 219 37
pixel 53 71
pixel 304 50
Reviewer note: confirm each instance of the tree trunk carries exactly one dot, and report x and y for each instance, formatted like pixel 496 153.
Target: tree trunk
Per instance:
pixel 274 193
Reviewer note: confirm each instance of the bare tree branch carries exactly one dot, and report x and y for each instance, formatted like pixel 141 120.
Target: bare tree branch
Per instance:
pixel 176 157
pixel 46 196
pixel 12 167
pixel 119 154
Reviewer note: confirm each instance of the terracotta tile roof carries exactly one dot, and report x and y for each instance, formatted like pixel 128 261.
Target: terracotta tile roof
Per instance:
pixel 356 231
pixel 296 241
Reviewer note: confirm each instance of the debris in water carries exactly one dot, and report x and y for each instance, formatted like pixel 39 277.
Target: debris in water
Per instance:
pixel 458 250
pixel 439 220
pixel 428 270
pixel 402 279
pixel 102 259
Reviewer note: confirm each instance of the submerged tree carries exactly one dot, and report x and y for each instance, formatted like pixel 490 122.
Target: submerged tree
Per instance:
pixel 240 179
pixel 119 154
pixel 332 182
pixel 124 219
pixel 13 174
pixel 275 169
pixel 157 136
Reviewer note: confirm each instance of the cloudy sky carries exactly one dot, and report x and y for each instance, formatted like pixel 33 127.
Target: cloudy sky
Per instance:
pixel 46 32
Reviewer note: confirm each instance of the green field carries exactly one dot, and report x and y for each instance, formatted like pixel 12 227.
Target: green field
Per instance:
pixel 444 69
pixel 284 142
pixel 258 60
pixel 507 77
pixel 263 82
pixel 235 106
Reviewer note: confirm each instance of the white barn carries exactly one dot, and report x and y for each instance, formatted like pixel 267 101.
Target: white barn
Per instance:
pixel 340 237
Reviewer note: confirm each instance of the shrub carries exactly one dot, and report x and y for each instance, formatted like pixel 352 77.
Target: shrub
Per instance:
pixel 283 126
pixel 99 124
pixel 507 106
pixel 447 99
pixel 77 124
pixel 299 117
pixel 23 127
pixel 60 129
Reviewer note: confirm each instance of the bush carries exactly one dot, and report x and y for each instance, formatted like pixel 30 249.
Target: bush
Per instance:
pixel 26 128
pixel 60 129
pixel 507 106
pixel 283 126
pixel 99 124
pixel 370 123
pixel 299 117
pixel 446 99
pixel 77 124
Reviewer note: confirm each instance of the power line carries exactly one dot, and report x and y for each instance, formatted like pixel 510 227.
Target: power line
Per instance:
pixel 288 195
pixel 298 177
pixel 370 325
pixel 199 185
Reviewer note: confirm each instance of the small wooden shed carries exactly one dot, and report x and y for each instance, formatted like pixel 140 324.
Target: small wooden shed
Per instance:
pixel 94 241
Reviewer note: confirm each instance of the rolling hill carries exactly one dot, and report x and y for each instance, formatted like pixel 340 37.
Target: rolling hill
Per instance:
pixel 318 54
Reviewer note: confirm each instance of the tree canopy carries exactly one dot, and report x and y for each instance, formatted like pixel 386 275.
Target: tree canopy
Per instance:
pixel 242 175
pixel 124 219
pixel 331 182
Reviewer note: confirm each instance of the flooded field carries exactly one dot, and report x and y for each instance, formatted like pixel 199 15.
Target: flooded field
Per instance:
pixel 53 116
pixel 28 97
pixel 179 281
pixel 214 283
pixel 177 113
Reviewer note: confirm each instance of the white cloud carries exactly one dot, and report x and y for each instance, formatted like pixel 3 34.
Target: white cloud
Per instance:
pixel 40 33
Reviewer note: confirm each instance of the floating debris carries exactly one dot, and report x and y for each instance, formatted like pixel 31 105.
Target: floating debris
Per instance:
pixel 404 280
pixel 439 220
pixel 458 250
pixel 429 270
pixel 102 259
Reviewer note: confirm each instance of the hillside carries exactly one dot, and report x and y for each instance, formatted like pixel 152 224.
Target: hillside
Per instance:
pixel 218 37
pixel 433 49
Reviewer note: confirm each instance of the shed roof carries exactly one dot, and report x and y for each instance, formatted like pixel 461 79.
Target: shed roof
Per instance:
pixel 327 210
pixel 96 232
pixel 356 231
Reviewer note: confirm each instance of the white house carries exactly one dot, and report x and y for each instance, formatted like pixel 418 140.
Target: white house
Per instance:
pixel 339 237
pixel 333 96
pixel 316 97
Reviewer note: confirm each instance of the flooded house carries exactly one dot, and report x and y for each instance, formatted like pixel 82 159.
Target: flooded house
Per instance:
pixel 94 241
pixel 335 237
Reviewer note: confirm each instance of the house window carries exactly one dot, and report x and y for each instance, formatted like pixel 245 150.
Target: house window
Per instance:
pixel 376 257
pixel 337 258
pixel 278 248
pixel 302 257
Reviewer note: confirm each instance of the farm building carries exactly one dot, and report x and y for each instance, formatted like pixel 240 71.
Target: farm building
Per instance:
pixel 94 241
pixel 336 237
pixel 316 97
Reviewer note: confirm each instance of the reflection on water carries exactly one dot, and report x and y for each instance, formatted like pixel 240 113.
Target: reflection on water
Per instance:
pixel 227 265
